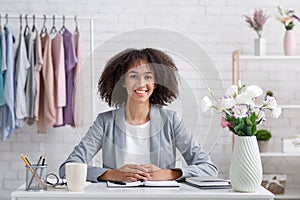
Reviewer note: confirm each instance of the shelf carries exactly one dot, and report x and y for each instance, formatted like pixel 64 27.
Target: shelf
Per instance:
pixel 290 193
pixel 289 106
pixel 269 57
pixel 279 154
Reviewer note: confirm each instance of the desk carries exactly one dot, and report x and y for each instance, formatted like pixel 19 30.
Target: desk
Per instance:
pixel 100 191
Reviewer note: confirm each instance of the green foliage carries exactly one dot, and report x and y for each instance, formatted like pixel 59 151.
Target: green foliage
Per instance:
pixel 245 126
pixel 263 134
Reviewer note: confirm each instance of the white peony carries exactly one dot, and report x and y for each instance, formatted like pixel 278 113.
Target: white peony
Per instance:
pixel 206 104
pixel 228 103
pixel 225 103
pixel 240 111
pixel 231 91
pixel 244 98
pixel 254 91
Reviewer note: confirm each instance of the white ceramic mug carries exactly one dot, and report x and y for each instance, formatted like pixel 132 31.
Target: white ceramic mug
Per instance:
pixel 76 176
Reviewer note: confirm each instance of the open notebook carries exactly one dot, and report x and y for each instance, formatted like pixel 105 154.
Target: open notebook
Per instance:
pixel 113 184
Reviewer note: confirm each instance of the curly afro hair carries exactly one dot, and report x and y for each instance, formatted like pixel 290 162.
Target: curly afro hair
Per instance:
pixel 110 84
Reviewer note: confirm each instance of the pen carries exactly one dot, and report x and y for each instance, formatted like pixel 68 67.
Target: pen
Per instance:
pixel 118 182
pixel 43 163
pixel 34 172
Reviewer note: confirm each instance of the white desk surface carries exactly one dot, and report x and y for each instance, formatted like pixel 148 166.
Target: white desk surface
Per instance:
pixel 100 191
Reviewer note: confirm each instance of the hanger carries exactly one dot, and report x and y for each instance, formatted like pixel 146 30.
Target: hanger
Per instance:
pixel 53 29
pixel 33 23
pixel 76 23
pixel 27 29
pixel 6 16
pixel 63 27
pixel 44 29
pixel 20 23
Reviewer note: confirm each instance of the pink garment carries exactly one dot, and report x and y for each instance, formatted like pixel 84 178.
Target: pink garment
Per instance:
pixel 38 67
pixel 46 107
pixel 78 93
pixel 58 58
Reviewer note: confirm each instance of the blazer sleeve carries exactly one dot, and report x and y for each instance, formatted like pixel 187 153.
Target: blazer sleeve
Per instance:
pixel 198 161
pixel 88 147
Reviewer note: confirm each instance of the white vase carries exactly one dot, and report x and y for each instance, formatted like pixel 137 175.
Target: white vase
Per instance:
pixel 245 171
pixel 259 47
pixel 289 43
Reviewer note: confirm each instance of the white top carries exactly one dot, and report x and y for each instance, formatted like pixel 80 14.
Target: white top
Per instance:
pixel 137 144
pixel 22 65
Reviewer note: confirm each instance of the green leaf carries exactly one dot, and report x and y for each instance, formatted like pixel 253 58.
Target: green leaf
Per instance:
pixel 248 122
pixel 253 117
pixel 254 130
pixel 249 131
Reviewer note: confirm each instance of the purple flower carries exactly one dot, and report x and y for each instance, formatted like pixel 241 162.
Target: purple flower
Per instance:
pixel 257 21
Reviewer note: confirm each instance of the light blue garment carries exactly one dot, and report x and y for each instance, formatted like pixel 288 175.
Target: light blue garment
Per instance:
pixel 167 133
pixel 8 122
pixel 2 102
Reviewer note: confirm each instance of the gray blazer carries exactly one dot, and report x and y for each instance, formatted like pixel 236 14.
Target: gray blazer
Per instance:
pixel 167 132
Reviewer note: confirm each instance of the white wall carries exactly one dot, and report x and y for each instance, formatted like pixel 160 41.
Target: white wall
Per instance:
pixel 218 26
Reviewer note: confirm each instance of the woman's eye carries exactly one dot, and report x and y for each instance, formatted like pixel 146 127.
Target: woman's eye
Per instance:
pixel 148 77
pixel 133 76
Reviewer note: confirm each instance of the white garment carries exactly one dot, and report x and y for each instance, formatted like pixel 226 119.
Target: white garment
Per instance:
pixel 22 65
pixel 137 144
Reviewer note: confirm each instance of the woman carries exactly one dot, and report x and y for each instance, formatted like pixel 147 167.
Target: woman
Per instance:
pixel 139 138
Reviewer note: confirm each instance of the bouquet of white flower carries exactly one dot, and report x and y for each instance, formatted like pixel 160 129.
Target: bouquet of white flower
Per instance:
pixel 238 108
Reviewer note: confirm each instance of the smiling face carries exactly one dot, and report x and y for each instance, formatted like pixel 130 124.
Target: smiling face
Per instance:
pixel 139 82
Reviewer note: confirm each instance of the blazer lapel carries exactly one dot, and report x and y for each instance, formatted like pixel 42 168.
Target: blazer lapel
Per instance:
pixel 119 137
pixel 157 121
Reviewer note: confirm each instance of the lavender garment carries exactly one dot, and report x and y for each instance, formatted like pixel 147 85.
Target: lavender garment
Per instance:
pixel 70 62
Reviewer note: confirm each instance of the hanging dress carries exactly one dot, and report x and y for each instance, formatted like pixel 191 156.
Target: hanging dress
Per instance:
pixel 8 123
pixel 70 62
pixel 58 58
pixel 21 67
pixel 39 62
pixel 46 102
pixel 2 102
pixel 30 89
pixel 78 97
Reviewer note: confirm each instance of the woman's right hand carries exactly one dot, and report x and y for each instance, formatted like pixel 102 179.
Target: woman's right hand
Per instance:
pixel 128 172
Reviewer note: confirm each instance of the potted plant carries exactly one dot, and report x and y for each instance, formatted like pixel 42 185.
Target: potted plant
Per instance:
pixel 256 22
pixel 263 136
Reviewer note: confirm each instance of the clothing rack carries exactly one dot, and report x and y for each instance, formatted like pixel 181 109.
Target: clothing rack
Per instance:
pixel 75 18
pixel 42 17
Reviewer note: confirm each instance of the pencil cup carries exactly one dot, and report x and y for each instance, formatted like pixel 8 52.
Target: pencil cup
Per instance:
pixel 36 177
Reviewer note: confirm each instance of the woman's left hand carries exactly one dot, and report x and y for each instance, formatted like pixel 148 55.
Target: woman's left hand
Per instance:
pixel 159 174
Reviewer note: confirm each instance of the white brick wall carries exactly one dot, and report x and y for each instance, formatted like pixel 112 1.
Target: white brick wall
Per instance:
pixel 218 26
